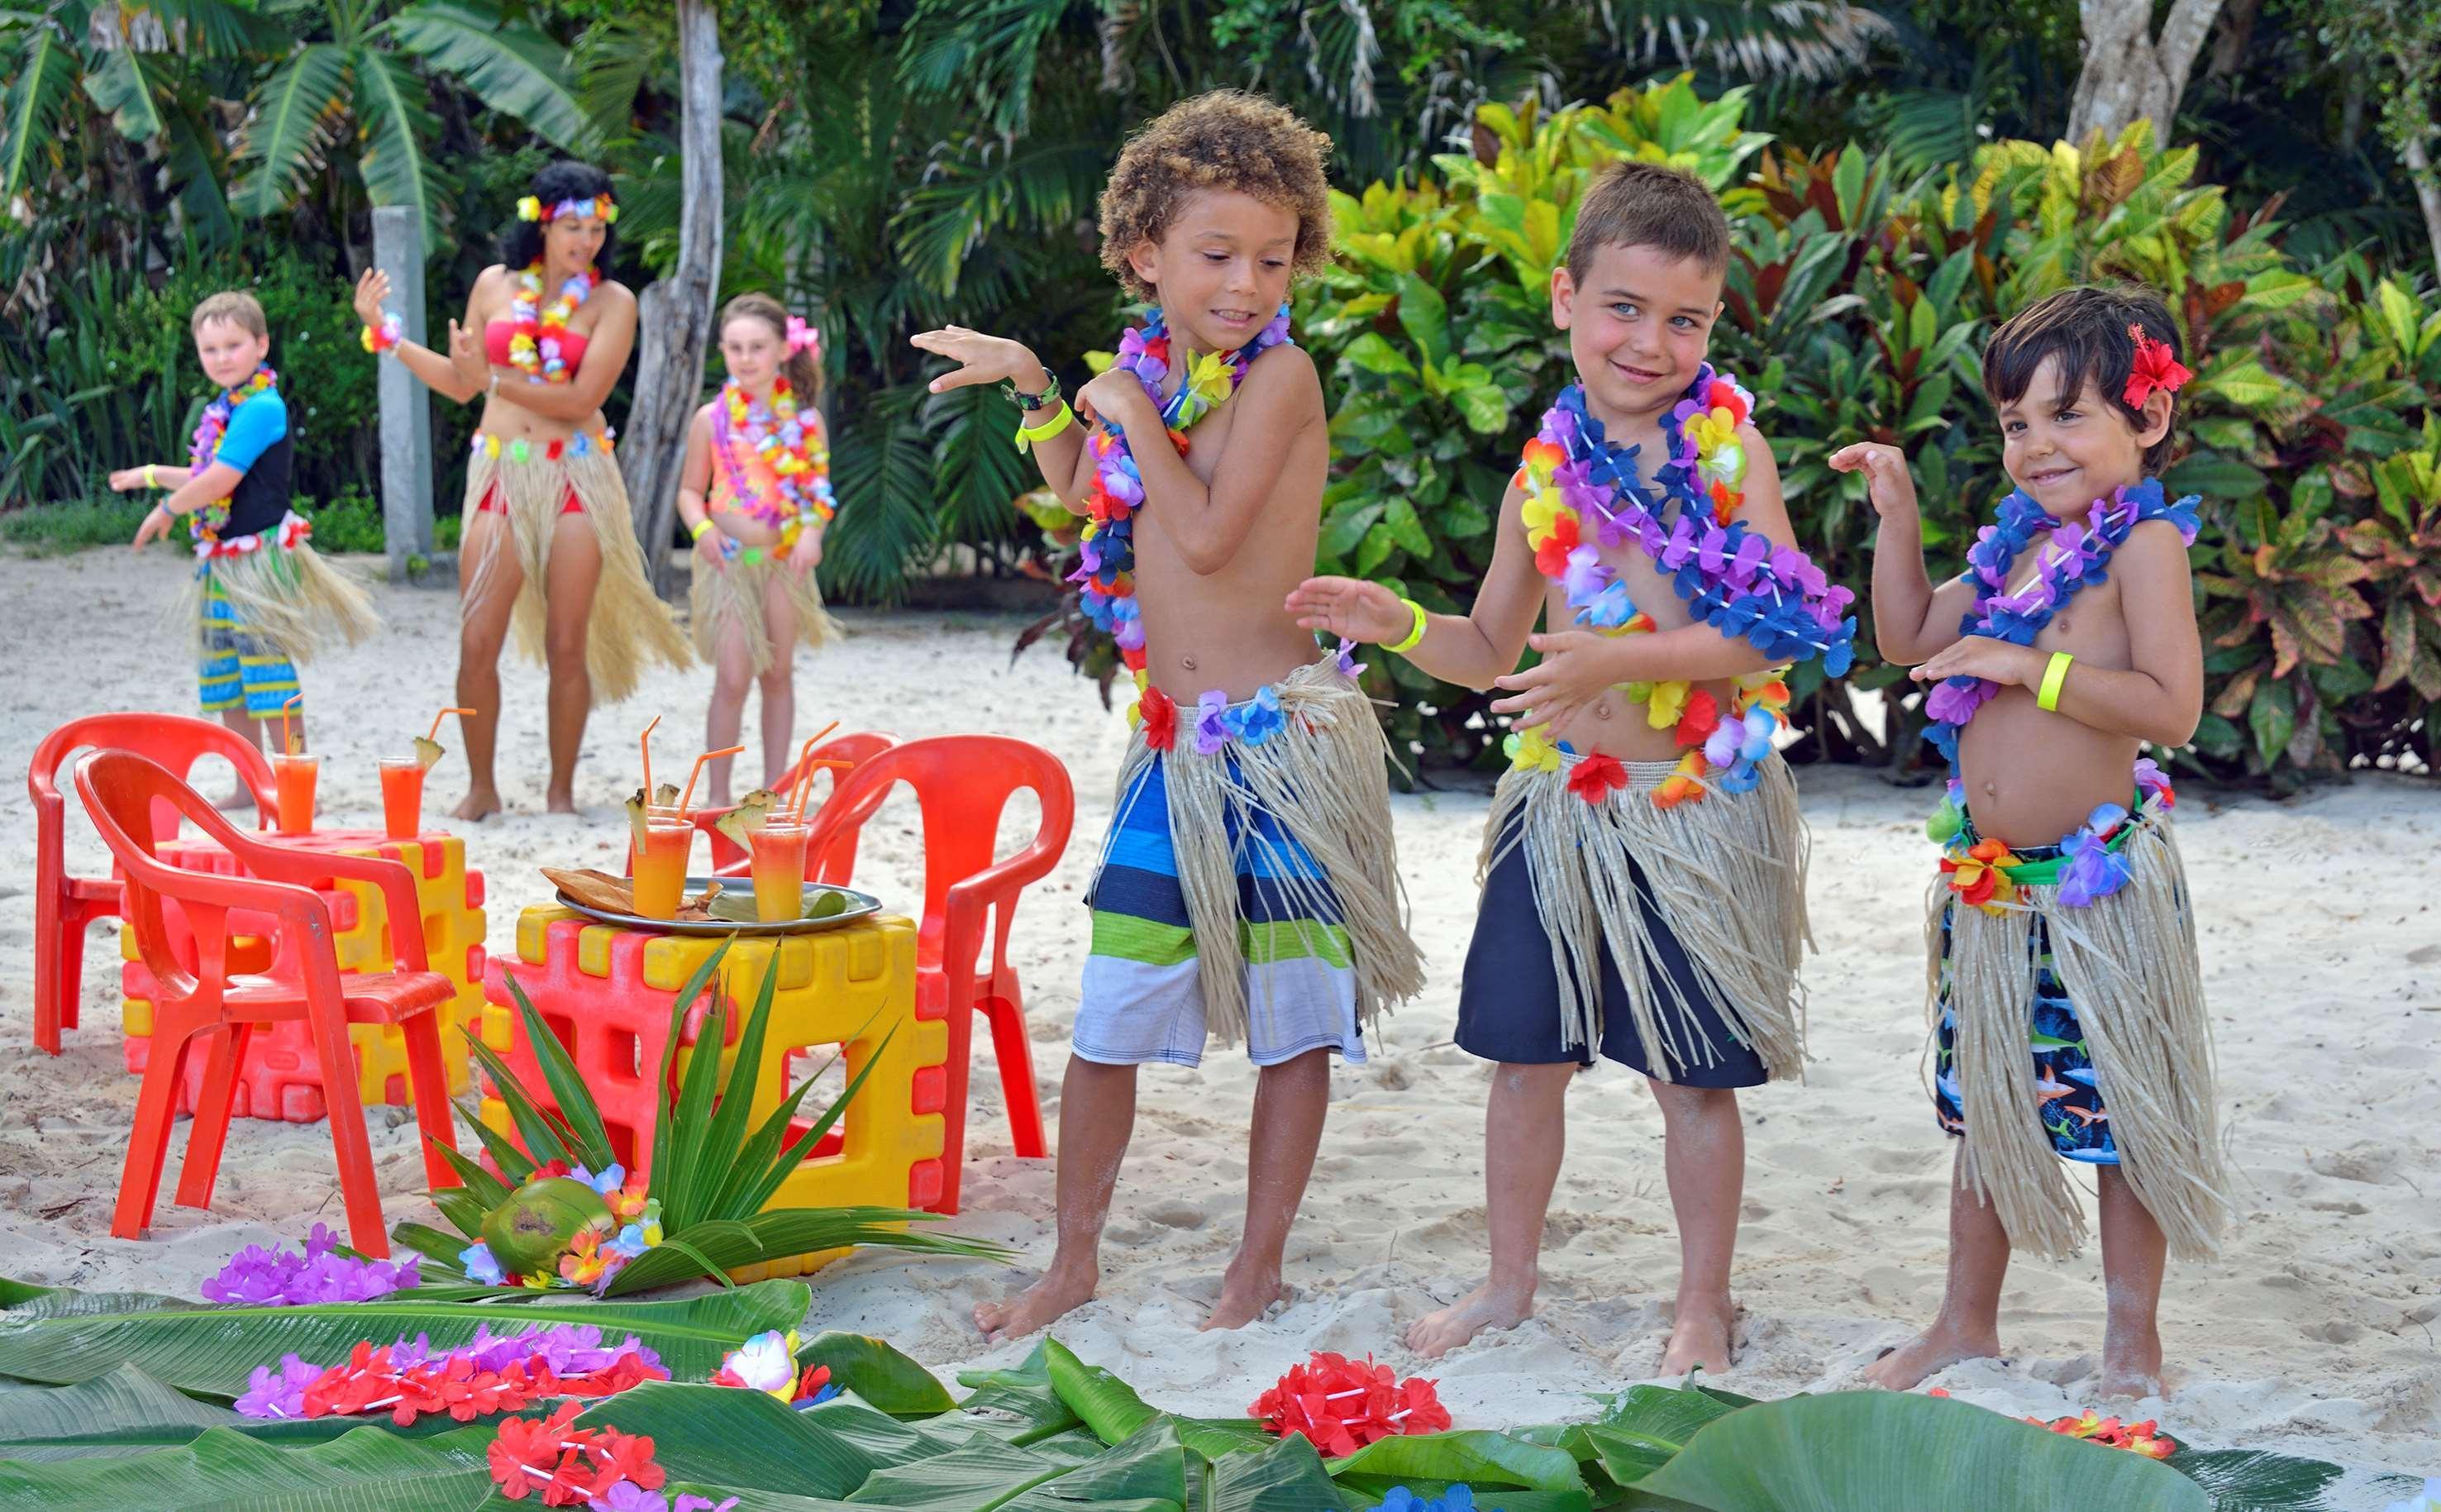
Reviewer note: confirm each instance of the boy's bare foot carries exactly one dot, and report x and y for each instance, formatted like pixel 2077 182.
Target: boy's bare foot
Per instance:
pixel 560 800
pixel 1490 1305
pixel 1705 1334
pixel 1936 1349
pixel 1244 1294
pixel 1058 1293
pixel 2131 1362
pixel 478 804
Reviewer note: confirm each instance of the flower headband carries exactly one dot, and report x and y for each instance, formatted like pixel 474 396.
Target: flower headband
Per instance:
pixel 802 337
pixel 2154 369
pixel 530 208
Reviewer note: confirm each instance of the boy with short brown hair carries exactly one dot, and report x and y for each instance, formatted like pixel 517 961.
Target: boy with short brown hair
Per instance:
pixel 1248 889
pixel 1644 862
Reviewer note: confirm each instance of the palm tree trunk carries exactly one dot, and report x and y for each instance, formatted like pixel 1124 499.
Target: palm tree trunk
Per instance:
pixel 674 319
pixel 2428 188
pixel 2129 72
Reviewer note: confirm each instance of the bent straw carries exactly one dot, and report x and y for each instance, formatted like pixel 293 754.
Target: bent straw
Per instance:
pixel 434 734
pixel 806 785
pixel 287 736
pixel 647 744
pixel 805 772
pixel 686 799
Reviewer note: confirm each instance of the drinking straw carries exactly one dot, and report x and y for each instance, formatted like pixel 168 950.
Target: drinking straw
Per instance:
pixel 798 789
pixel 434 734
pixel 647 744
pixel 287 736
pixel 686 798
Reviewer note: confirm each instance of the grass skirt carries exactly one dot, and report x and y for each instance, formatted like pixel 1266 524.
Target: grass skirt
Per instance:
pixel 1322 779
pixel 1726 873
pixel 2129 963
pixel 629 624
pixel 729 599
pixel 288 599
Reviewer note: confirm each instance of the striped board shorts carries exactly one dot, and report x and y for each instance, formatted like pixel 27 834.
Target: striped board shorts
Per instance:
pixel 236 669
pixel 1143 997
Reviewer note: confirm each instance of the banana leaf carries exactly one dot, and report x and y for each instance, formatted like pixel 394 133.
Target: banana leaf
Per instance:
pixel 1107 1405
pixel 882 1377
pixel 1478 1457
pixel 1896 1452
pixel 129 1413
pixel 367 1470
pixel 2255 1481
pixel 62 1338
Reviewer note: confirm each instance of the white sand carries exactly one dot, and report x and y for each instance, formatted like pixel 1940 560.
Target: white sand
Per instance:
pixel 2314 1334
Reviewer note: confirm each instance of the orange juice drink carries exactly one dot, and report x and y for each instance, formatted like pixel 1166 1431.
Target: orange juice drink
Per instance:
pixel 293 781
pixel 780 869
pixel 402 784
pixel 660 863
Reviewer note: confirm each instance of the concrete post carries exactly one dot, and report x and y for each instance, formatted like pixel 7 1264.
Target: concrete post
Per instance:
pixel 405 403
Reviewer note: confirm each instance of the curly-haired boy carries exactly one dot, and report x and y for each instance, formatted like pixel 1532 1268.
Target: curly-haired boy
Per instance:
pixel 1248 889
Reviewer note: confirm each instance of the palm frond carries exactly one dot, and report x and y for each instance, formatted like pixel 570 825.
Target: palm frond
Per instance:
pixel 396 169
pixel 45 68
pixel 981 50
pixel 215 28
pixel 123 86
pixel 513 69
pixel 976 472
pixel 974 190
pixel 1810 39
pixel 883 467
pixel 610 59
pixel 291 127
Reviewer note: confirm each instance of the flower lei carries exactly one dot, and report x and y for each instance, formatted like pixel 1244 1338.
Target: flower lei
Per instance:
pixel 204 525
pixel 1105 584
pixel 2077 554
pixel 799 460
pixel 536 331
pixel 257 1276
pixel 596 1467
pixel 1730 576
pixel 530 208
pixel 2143 1438
pixel 1340 1405
pixel 768 1364
pixel 594 1256
pixel 493 1372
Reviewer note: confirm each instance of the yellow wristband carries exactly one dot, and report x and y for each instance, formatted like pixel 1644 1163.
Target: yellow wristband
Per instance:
pixel 2053 675
pixel 697 529
pixel 1414 635
pixel 1028 436
pixel 149 481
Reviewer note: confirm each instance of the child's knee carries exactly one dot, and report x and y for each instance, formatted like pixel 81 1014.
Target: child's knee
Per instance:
pixel 563 647
pixel 778 680
pixel 1679 1101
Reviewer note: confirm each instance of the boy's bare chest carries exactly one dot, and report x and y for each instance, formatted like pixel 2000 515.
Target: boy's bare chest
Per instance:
pixel 2090 623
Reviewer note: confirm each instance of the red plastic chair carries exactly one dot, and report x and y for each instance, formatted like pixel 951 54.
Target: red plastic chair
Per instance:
pixel 65 905
pixel 833 866
pixel 963 782
pixel 122 790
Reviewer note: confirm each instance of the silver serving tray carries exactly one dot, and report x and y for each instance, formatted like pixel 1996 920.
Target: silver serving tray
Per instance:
pixel 860 906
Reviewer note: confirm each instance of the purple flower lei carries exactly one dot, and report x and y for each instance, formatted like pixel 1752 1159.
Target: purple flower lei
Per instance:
pixel 570 1349
pixel 272 1278
pixel 1730 576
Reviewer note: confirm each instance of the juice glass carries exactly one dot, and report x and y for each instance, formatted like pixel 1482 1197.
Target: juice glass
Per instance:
pixel 780 869
pixel 660 864
pixel 292 779
pixel 402 784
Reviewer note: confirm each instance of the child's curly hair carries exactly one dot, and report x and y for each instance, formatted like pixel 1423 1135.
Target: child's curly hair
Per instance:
pixel 1224 139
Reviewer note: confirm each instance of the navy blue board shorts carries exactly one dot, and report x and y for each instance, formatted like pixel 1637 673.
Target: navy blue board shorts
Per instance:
pixel 1509 1005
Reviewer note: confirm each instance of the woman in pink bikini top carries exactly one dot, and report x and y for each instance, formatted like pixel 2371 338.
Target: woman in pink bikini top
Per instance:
pixel 549 547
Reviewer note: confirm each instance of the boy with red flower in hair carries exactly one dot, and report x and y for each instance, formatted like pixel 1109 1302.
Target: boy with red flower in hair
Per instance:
pixel 2067 998
pixel 1643 866
pixel 1248 889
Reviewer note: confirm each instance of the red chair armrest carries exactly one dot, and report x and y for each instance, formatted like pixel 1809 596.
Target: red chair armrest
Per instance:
pixel 397 885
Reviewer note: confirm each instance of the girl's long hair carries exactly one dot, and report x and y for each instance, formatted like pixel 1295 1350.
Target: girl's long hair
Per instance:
pixel 804 369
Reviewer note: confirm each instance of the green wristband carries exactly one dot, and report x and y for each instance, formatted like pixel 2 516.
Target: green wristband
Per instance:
pixel 1414 635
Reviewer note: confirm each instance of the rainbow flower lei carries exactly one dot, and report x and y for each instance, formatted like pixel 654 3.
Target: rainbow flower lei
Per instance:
pixel 536 330
pixel 1730 576
pixel 800 461
pixel 1105 584
pixel 204 525
pixel 2077 554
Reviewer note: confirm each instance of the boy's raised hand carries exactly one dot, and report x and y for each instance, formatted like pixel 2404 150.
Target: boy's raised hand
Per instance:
pixel 1889 484
pixel 1350 609
pixel 126 479
pixel 373 287
pixel 981 358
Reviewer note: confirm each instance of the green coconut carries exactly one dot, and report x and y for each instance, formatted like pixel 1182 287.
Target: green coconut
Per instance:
pixel 528 1231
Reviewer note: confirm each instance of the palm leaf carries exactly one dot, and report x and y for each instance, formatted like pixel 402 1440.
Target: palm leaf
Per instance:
pixel 983 50
pixel 390 103
pixel 882 465
pixel 568 1093
pixel 45 69
pixel 543 1137
pixel 432 1244
pixel 124 87
pixel 1897 1452
pixel 667 1135
pixel 724 1130
pixel 968 197
pixel 612 59
pixel 214 28
pixel 290 127
pixel 760 1155
pixel 514 1167
pixel 763 1182
pixel 785 1232
pixel 487 1190
pixel 206 1351
pixel 977 473
pixel 229 1470
pixel 880 1375
pixel 675 1165
pixel 512 68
